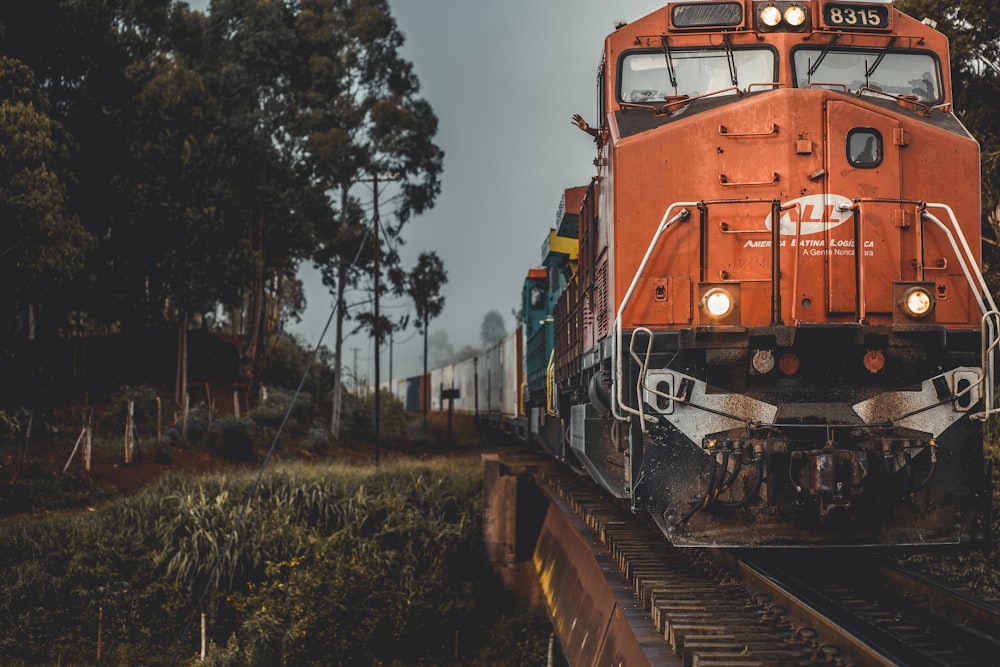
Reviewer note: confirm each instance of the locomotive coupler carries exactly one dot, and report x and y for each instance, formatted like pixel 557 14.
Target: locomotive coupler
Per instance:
pixel 833 476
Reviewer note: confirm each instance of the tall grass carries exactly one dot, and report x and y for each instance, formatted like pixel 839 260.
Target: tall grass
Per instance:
pixel 369 564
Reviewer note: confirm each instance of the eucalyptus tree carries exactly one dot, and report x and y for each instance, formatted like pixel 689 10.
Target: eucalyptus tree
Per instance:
pixel 424 287
pixel 187 170
pixel 79 52
pixel 365 125
pixel 252 52
pixel 213 150
pixel 180 260
pixel 43 244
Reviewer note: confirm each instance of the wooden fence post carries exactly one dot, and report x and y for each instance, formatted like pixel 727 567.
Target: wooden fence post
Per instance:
pixel 100 626
pixel 75 447
pixel 88 444
pixel 129 434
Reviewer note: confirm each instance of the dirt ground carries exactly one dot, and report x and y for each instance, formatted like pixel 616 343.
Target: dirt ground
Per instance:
pixel 127 479
pixel 109 468
pixel 32 480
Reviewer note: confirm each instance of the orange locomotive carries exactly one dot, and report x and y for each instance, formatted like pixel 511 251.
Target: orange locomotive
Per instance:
pixel 778 333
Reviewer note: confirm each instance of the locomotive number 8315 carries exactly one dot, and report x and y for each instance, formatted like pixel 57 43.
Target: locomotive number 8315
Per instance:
pixel 763 321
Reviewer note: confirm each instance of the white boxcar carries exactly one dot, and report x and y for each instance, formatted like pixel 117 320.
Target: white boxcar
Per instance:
pixel 488 385
pixel 490 381
pixel 464 380
pixel 511 372
pixel 440 377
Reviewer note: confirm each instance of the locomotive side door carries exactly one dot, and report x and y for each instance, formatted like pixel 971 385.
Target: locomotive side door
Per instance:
pixel 863 154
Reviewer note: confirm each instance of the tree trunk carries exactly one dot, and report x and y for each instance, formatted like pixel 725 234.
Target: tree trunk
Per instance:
pixel 253 353
pixel 274 307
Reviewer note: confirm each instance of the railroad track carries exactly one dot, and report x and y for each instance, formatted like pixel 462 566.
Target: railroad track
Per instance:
pixel 882 614
pixel 732 609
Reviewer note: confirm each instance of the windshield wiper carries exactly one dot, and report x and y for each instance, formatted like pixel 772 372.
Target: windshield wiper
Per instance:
pixel 822 54
pixel 732 60
pixel 878 61
pixel 670 63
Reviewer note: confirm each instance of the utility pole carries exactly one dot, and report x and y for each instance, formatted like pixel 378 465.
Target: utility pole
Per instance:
pixel 377 324
pixel 378 345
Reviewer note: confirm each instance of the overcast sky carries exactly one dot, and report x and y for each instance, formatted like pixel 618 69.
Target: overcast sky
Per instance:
pixel 504 79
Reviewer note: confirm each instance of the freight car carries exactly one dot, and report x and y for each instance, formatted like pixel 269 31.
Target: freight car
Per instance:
pixel 763 321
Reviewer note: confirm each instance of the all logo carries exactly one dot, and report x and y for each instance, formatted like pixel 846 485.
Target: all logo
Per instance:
pixel 813 214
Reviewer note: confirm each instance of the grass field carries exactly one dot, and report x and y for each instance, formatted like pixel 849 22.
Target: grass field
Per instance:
pixel 326 564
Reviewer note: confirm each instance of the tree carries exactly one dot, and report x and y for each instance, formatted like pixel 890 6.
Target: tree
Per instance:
pixel 213 153
pixel 43 244
pixel 176 257
pixel 80 53
pixel 424 287
pixel 264 188
pixel 364 122
pixel 493 330
pixel 190 170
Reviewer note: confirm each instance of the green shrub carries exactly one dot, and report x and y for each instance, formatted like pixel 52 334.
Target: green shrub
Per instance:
pixel 286 359
pixel 271 412
pixel 14 423
pixel 163 452
pixel 316 439
pixel 197 428
pixel 234 438
pixel 197 425
pixel 358 415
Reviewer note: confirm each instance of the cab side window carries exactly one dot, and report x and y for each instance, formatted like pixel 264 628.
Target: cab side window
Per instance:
pixel 536 298
pixel 864 148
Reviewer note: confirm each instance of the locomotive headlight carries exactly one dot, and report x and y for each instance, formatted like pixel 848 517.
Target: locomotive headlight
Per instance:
pixel 917 301
pixel 717 302
pixel 770 16
pixel 795 16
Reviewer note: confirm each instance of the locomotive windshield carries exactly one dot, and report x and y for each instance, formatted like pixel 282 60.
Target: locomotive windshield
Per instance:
pixel 893 72
pixel 653 76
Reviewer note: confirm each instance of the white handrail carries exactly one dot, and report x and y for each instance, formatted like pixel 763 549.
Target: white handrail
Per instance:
pixel 618 408
pixel 643 369
pixel 990 322
pixel 986 302
pixel 989 348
